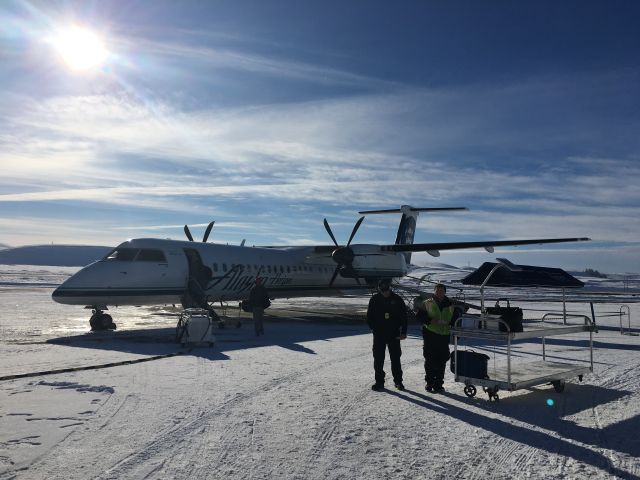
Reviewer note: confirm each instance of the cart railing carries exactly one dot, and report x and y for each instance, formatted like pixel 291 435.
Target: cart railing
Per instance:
pixel 625 310
pixel 500 335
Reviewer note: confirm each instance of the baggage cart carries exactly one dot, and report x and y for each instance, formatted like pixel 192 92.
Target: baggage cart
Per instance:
pixel 518 376
pixel 506 327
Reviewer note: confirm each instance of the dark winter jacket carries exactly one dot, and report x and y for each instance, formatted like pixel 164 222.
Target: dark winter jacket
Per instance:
pixel 259 297
pixel 387 316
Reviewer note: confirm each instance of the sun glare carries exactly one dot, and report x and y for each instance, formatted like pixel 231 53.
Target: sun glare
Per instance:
pixel 80 49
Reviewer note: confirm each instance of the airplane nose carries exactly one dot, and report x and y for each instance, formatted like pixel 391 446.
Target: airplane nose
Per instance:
pixel 58 294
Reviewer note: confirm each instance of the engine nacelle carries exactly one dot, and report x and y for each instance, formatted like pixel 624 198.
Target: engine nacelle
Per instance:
pixel 376 265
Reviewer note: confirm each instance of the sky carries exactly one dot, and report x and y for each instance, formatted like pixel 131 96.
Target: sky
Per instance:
pixel 128 119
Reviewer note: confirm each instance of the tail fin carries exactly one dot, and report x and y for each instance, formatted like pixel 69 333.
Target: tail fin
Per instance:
pixel 407 227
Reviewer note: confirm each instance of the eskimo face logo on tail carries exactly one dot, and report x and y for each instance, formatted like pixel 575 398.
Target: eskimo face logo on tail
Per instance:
pixel 406 231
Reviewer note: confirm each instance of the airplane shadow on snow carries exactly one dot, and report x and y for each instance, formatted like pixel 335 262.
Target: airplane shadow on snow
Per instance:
pixel 162 341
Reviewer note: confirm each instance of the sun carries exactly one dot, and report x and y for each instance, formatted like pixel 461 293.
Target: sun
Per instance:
pixel 81 49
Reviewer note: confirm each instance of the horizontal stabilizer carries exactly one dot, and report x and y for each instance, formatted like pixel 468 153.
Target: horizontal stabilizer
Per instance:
pixel 412 209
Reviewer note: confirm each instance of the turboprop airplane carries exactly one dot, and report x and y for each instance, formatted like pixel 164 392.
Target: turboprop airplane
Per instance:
pixel 149 271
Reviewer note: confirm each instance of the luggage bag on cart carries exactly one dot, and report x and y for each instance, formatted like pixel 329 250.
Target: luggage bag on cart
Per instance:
pixel 511 315
pixel 470 364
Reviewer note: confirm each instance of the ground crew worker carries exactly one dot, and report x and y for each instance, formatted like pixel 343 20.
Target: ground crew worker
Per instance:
pixel 259 300
pixel 387 319
pixel 439 315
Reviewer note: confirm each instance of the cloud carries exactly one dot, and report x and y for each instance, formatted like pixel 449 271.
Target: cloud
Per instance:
pixel 201 58
pixel 438 147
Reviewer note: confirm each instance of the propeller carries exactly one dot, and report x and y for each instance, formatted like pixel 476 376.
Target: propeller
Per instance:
pixel 187 232
pixel 343 256
pixel 207 232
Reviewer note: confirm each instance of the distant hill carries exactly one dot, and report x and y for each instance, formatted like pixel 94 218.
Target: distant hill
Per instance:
pixel 54 255
pixel 3 246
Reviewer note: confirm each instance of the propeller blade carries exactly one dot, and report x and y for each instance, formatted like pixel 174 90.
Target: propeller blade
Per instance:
pixel 335 274
pixel 355 229
pixel 188 233
pixel 328 229
pixel 207 232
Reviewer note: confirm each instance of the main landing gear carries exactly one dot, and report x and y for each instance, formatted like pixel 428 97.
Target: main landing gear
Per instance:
pixel 101 321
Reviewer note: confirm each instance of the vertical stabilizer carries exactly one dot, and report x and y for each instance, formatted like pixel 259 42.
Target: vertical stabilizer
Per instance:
pixel 407 227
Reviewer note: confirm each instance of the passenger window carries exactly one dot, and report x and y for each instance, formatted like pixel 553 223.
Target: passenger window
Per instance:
pixel 123 254
pixel 281 269
pixel 269 268
pixel 224 267
pixel 215 267
pixel 147 255
pixel 288 269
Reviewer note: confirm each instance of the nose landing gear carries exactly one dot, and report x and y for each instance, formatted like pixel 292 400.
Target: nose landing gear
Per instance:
pixel 101 321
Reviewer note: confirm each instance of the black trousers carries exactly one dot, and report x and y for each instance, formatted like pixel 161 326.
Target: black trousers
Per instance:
pixel 380 344
pixel 436 354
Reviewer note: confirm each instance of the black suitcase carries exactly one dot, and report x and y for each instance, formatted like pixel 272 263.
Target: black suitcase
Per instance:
pixel 470 364
pixel 511 315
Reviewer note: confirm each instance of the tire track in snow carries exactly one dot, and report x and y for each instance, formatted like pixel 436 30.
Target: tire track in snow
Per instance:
pixel 227 455
pixel 618 381
pixel 175 436
pixel 308 466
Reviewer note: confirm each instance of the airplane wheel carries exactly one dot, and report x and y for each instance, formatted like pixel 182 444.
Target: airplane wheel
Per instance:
pixel 101 321
pixel 95 322
pixel 470 391
pixel 107 322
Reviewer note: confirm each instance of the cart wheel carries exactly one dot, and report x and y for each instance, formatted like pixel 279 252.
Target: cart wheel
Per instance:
pixel 558 385
pixel 470 391
pixel 493 394
pixel 580 377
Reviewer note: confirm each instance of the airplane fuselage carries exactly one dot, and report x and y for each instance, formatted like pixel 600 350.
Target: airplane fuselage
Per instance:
pixel 155 271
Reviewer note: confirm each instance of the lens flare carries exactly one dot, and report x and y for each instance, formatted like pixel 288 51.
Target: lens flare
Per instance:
pixel 550 402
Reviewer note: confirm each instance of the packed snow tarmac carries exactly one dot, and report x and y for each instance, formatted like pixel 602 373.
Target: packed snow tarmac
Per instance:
pixel 295 403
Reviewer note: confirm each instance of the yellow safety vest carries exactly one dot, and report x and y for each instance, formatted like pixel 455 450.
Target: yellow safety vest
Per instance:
pixel 440 319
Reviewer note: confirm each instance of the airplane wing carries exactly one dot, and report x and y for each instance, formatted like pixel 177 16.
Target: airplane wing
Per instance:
pixel 434 247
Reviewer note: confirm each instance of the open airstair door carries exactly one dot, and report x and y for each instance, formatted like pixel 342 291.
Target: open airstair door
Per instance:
pixel 197 281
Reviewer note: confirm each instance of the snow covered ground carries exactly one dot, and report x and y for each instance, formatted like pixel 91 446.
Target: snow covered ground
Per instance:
pixel 296 403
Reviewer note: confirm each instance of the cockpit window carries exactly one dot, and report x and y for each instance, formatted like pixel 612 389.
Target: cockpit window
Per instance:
pixel 137 255
pixel 122 254
pixel 148 255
